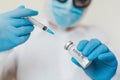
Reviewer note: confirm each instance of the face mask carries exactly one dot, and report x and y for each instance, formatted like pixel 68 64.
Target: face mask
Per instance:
pixel 66 14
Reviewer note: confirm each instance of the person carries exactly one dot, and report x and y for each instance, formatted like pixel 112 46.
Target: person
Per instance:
pixel 43 57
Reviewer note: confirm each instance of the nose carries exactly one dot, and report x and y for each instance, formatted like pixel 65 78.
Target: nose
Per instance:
pixel 68 4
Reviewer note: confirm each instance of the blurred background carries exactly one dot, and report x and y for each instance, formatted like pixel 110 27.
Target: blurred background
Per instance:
pixel 102 13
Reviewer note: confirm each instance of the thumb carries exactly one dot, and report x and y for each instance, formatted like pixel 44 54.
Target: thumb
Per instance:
pixel 76 62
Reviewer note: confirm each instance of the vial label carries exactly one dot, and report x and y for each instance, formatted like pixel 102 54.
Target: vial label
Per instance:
pixel 83 61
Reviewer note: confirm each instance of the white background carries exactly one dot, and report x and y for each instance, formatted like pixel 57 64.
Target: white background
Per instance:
pixel 102 13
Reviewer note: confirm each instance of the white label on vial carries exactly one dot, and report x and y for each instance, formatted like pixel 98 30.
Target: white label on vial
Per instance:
pixel 83 61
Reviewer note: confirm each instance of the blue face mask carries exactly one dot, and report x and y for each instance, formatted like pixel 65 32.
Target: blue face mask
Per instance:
pixel 66 14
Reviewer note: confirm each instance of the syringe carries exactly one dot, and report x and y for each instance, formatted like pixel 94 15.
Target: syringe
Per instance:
pixel 40 25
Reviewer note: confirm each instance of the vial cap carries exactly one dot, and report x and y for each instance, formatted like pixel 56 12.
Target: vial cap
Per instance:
pixel 67 45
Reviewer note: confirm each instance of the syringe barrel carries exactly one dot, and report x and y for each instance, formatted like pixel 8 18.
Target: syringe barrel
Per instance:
pixel 35 22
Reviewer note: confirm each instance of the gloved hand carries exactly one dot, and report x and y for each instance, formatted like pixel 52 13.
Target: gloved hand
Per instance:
pixel 104 63
pixel 14 28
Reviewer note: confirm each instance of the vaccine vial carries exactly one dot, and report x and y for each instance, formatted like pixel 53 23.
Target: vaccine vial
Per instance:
pixel 82 60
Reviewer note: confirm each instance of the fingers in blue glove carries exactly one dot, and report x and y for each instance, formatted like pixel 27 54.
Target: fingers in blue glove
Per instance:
pixel 22 12
pixel 104 60
pixel 24 30
pixel 15 29
pixel 23 39
pixel 82 45
pixel 93 43
pixel 98 51
pixel 20 22
pixel 14 40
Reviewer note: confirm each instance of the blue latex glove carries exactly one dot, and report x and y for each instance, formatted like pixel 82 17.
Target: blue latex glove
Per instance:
pixel 14 29
pixel 104 63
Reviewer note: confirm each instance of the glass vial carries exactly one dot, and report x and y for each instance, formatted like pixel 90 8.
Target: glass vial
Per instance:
pixel 82 60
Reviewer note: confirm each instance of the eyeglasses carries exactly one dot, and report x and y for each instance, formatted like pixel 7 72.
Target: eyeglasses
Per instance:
pixel 78 3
